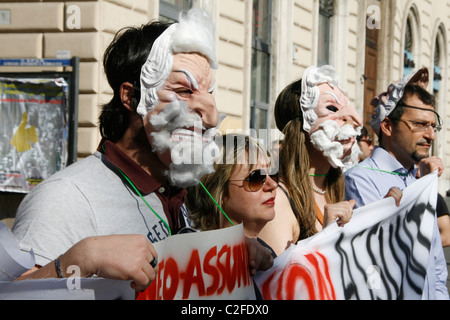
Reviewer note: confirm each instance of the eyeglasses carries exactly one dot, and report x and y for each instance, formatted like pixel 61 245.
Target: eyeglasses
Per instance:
pixel 257 179
pixel 369 141
pixel 423 126
pixel 417 126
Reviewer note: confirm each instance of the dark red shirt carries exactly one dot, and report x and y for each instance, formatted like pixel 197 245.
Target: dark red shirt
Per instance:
pixel 172 198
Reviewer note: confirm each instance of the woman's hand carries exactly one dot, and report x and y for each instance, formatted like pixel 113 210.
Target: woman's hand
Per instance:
pixel 340 212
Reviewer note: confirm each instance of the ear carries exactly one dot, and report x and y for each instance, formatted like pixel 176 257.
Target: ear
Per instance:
pixel 386 127
pixel 127 96
pixel 225 199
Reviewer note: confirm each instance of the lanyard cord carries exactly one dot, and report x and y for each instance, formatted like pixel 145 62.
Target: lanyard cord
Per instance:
pixel 140 195
pixel 390 172
pixel 216 203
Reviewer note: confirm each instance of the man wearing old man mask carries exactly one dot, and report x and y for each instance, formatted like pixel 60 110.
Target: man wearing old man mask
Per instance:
pixel 104 212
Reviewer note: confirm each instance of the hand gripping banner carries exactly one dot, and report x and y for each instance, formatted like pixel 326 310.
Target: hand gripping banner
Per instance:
pixel 382 253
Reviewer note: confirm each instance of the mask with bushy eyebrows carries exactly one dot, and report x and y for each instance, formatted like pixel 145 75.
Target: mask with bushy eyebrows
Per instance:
pixel 326 109
pixel 194 33
pixel 175 131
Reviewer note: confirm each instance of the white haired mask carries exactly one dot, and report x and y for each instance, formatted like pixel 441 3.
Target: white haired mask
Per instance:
pixel 194 33
pixel 309 99
pixel 328 137
pixel 386 102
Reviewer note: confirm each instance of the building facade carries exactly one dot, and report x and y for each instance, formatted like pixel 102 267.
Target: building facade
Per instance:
pixel 262 46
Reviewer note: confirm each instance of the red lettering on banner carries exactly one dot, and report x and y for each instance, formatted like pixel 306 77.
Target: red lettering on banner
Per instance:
pixel 171 271
pixel 235 273
pixel 158 283
pixel 311 276
pixel 298 273
pixel 212 271
pixel 203 276
pixel 222 268
pixel 194 276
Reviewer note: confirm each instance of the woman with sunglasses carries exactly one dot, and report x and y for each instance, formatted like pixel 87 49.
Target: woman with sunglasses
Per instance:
pixel 242 186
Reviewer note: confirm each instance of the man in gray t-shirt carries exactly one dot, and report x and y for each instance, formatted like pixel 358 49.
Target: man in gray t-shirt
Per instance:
pixel 89 199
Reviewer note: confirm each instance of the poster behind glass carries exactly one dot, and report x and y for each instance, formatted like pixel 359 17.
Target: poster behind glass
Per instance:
pixel 33 131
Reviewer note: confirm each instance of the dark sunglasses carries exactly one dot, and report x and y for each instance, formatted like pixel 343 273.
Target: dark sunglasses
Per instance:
pixel 256 180
pixel 369 141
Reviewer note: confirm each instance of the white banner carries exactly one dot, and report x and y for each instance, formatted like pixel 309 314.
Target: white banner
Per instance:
pixel 382 253
pixel 192 266
pixel 203 265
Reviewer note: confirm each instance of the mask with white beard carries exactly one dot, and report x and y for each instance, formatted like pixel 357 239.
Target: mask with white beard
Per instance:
pixel 328 137
pixel 192 152
pixel 328 140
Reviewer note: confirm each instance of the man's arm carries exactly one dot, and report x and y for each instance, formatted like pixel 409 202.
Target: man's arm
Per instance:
pixel 119 257
pixel 444 229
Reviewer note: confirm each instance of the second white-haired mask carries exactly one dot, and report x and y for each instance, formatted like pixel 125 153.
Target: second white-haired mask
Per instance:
pixel 328 117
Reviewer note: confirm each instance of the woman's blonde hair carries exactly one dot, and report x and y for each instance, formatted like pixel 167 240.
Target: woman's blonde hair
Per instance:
pixel 294 162
pixel 236 149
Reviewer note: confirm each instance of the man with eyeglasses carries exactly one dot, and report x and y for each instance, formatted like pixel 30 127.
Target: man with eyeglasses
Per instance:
pixel 406 123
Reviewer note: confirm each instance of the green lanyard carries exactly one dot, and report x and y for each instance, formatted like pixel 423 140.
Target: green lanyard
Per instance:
pixel 216 203
pixel 140 195
pixel 168 228
pixel 384 171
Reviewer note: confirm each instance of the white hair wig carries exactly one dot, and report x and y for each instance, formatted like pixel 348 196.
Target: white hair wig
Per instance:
pixel 194 33
pixel 312 78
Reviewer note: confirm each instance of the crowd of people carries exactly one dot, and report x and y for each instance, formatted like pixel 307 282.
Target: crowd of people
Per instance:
pixel 104 212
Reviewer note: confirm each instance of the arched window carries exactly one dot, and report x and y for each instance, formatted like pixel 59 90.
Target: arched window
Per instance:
pixel 412 44
pixel 409 63
pixel 169 10
pixel 438 61
pixel 438 76
pixel 326 12
pixel 261 58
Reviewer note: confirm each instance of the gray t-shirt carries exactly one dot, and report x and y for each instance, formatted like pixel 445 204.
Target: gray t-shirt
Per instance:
pixel 86 199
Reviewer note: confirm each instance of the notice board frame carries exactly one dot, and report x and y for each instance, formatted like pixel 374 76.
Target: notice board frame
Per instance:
pixel 72 78
pixel 68 69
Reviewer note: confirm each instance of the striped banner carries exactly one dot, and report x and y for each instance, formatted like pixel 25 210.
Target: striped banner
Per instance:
pixel 382 253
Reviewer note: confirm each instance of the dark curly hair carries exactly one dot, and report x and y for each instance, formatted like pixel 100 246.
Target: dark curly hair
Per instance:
pixel 122 62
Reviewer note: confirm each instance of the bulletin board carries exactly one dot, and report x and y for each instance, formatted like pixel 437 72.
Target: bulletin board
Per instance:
pixel 38 122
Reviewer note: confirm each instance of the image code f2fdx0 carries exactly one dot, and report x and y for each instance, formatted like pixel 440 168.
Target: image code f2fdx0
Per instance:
pixel 229 309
